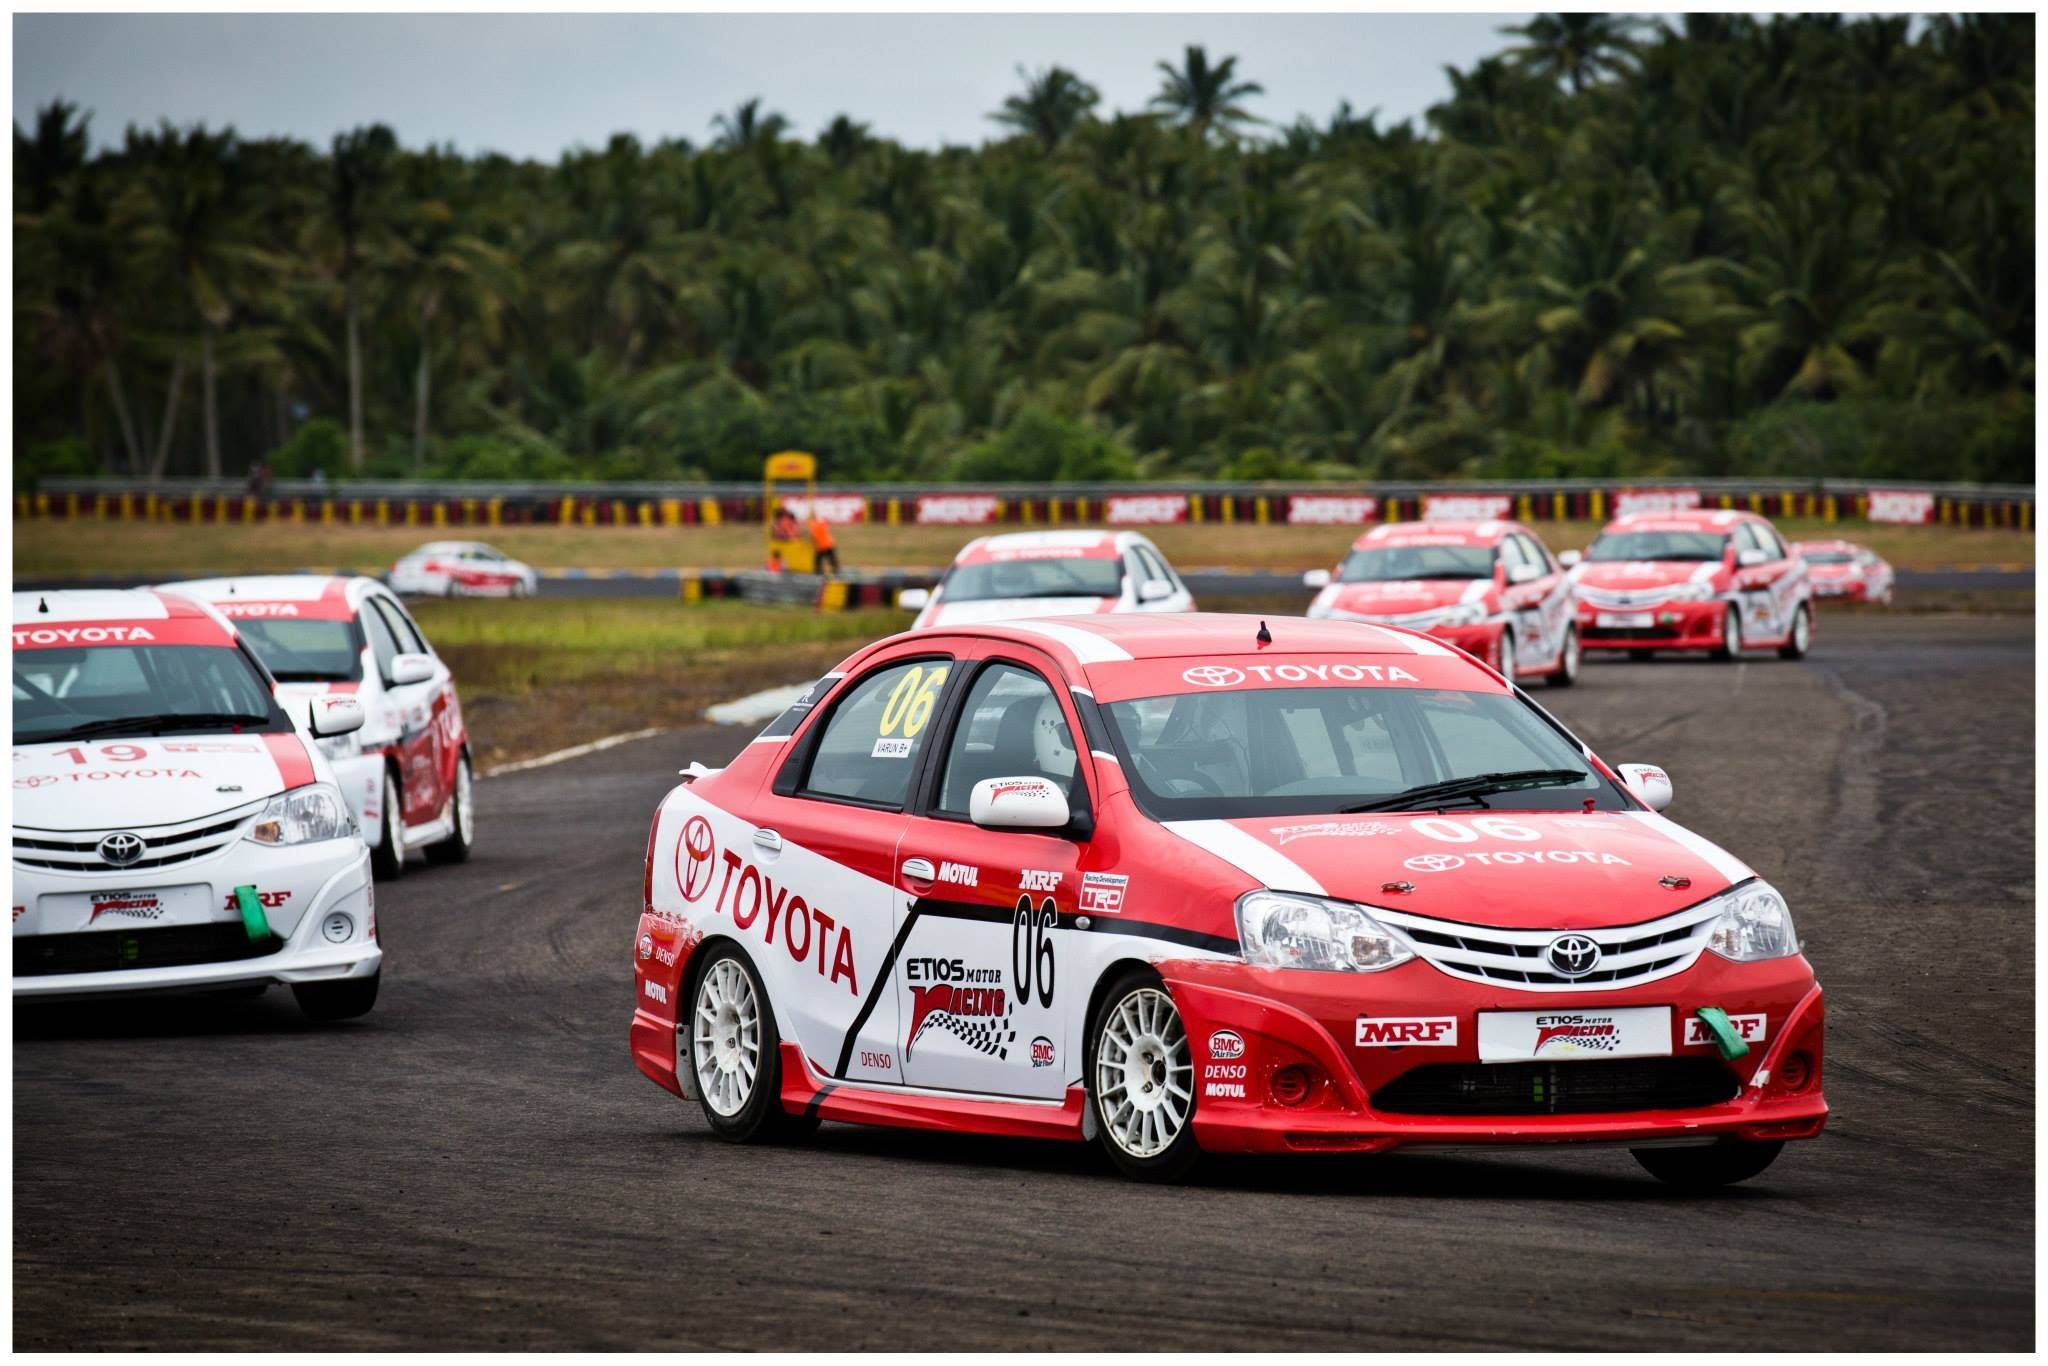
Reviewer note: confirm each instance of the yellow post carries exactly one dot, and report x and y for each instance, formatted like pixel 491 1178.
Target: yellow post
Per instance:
pixel 22 506
pixel 895 511
pixel 1262 509
pixel 127 506
pixel 71 505
pixel 1027 510
pixel 1597 504
pixel 693 588
pixel 42 505
pixel 645 510
pixel 590 513
pixel 1052 509
pixel 1194 507
pixel 671 512
pixel 1557 507
pixel 712 515
pixel 494 510
pixel 2026 516
pixel 832 596
pixel 1524 509
pixel 568 513
pixel 1827 509
pixel 440 513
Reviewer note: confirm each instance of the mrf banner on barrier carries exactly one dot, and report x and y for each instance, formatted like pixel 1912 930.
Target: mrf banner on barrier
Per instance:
pixel 1466 507
pixel 1331 509
pixel 1913 506
pixel 1628 502
pixel 1145 509
pixel 839 508
pixel 958 509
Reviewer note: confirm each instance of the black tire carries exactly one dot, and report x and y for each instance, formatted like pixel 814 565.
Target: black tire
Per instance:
pixel 1731 633
pixel 1178 1157
pixel 328 1001
pixel 387 856
pixel 1704 1169
pixel 455 848
pixel 1568 660
pixel 1504 651
pixel 759 1118
pixel 1801 639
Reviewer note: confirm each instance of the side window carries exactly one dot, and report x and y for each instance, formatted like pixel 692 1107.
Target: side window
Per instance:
pixel 1536 555
pixel 871 741
pixel 1511 554
pixel 1768 539
pixel 1011 726
pixel 402 630
pixel 1745 538
pixel 383 644
pixel 1153 568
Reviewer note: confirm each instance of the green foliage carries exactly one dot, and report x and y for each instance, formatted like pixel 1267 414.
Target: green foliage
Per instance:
pixel 320 444
pixel 66 458
pixel 1889 439
pixel 1041 447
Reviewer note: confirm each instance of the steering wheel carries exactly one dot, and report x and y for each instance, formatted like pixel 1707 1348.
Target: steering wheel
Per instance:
pixel 1175 785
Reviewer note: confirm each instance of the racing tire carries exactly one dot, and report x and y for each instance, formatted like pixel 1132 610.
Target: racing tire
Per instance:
pixel 1568 660
pixel 1801 640
pixel 330 1001
pixel 1709 1168
pixel 1504 654
pixel 1731 633
pixel 1136 1047
pixel 462 806
pixel 738 1071
pixel 387 856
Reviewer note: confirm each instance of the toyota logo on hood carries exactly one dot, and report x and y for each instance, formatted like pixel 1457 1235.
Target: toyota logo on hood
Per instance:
pixel 121 849
pixel 1214 676
pixel 1573 955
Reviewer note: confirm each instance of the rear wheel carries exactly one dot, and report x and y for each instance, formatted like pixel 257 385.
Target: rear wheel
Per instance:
pixel 326 1001
pixel 736 1053
pixel 1731 633
pixel 1504 654
pixel 1142 1080
pixel 1567 660
pixel 1701 1169
pixel 387 859
pixel 1796 644
pixel 462 807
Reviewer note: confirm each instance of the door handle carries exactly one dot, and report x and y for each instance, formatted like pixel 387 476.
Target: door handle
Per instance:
pixel 769 840
pixel 919 870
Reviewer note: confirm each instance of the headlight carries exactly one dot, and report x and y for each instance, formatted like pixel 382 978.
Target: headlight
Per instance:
pixel 1291 930
pixel 1692 592
pixel 1755 925
pixel 1464 614
pixel 303 816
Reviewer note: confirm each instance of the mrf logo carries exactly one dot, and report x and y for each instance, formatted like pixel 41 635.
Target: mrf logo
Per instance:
pixel 752 898
pixel 693 858
pixel 1408 1032
pixel 271 900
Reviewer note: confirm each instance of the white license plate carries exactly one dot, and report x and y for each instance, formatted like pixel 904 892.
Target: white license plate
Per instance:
pixel 133 909
pixel 1627 620
pixel 1619 1032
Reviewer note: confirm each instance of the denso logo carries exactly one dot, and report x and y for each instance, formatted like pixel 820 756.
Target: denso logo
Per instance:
pixel 81 635
pixel 257 609
pixel 1408 1032
pixel 751 897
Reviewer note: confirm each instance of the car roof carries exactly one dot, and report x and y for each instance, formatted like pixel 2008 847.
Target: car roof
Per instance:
pixel 191 623
pixel 1078 538
pixel 1491 531
pixel 1799 547
pixel 1697 519
pixel 314 596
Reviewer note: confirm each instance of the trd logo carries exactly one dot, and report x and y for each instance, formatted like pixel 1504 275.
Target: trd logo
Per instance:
pixel 1416 1032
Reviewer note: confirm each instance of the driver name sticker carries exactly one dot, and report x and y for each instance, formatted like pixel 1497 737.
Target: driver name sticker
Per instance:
pixel 897 748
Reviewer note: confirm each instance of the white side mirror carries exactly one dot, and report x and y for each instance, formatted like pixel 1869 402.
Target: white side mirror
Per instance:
pixel 914 599
pixel 1316 578
pixel 1649 782
pixel 333 714
pixel 1523 573
pixel 1026 803
pixel 1569 558
pixel 1746 558
pixel 1154 590
pixel 411 669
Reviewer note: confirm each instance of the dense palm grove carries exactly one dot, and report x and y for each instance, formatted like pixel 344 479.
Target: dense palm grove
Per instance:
pixel 1718 245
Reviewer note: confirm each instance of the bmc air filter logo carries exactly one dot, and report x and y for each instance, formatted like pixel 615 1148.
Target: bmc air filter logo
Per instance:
pixel 1226 1043
pixel 1214 676
pixel 1572 955
pixel 121 849
pixel 693 858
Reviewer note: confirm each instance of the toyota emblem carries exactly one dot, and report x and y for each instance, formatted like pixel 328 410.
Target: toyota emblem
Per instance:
pixel 1434 863
pixel 693 858
pixel 121 849
pixel 1214 676
pixel 1573 955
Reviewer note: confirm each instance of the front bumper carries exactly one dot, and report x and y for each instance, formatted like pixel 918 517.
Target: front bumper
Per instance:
pixel 307 885
pixel 1304 1025
pixel 1672 626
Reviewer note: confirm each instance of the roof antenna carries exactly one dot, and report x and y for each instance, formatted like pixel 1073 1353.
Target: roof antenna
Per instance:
pixel 1264 636
pixel 42 605
pixel 231 589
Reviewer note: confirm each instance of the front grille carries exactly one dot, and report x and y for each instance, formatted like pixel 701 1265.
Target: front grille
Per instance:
pixel 172 946
pixel 1603 1086
pixel 1629 954
pixel 77 851
pixel 1613 597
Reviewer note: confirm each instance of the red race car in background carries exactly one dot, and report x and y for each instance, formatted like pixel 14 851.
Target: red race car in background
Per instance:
pixel 1493 589
pixel 1198 882
pixel 1721 581
pixel 1843 569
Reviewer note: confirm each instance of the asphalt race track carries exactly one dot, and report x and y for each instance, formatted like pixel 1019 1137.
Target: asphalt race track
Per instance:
pixel 477 1164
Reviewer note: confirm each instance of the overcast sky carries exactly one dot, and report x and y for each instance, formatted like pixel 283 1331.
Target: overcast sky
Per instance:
pixel 535 85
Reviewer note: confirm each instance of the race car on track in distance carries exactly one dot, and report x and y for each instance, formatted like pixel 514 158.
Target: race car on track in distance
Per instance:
pixel 176 827
pixel 1717 581
pixel 407 773
pixel 1493 589
pixel 1050 574
pixel 1845 570
pixel 1200 882
pixel 462 569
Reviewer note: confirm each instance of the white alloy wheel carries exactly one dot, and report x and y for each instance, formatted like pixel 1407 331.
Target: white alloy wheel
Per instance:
pixel 1144 1081
pixel 725 1037
pixel 1504 654
pixel 1731 630
pixel 465 804
pixel 1802 631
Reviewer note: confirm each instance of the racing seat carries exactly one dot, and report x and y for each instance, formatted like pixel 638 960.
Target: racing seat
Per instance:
pixel 1011 755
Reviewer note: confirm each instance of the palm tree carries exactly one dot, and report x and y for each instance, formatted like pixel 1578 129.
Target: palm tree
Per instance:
pixel 844 139
pixel 1576 48
pixel 1053 104
pixel 747 127
pixel 1205 97
pixel 355 206
pixel 441 267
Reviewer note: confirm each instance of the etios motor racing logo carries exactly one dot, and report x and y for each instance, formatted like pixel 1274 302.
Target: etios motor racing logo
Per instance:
pixel 1576 1034
pixel 965 1002
pixel 693 858
pixel 1213 676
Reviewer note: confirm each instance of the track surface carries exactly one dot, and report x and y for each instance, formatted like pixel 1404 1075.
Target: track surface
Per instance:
pixel 477 1163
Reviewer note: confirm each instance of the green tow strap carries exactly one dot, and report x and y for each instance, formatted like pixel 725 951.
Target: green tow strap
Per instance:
pixel 257 925
pixel 1726 1037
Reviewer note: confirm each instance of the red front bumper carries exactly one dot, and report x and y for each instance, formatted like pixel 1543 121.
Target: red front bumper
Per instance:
pixel 1672 626
pixel 1307 1086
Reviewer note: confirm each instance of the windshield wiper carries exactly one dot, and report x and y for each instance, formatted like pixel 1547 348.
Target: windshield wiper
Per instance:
pixel 153 725
pixel 1478 785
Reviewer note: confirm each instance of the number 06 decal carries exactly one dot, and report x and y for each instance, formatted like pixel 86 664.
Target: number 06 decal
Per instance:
pixel 1031 950
pixel 912 699
pixel 1457 832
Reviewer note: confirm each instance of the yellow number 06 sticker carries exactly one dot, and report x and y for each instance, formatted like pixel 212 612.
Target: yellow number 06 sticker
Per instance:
pixel 911 701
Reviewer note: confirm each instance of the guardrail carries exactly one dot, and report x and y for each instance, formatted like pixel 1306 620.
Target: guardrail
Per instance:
pixel 444 506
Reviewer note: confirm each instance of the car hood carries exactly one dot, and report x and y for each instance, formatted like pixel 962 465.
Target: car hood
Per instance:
pixel 1642 573
pixel 1012 609
pixel 175 778
pixel 1401 597
pixel 1579 871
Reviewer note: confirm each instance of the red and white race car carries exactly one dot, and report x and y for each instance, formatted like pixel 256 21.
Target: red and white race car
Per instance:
pixel 1845 570
pixel 1720 581
pixel 449 569
pixel 1050 574
pixel 1197 882
pixel 176 827
pixel 1491 588
pixel 407 773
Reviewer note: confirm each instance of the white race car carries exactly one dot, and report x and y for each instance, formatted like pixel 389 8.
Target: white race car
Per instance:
pixel 407 773
pixel 449 569
pixel 1050 574
pixel 175 828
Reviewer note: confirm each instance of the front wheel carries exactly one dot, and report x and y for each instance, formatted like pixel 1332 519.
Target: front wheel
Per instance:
pixel 1504 654
pixel 1796 644
pixel 462 807
pixel 1567 660
pixel 736 1053
pixel 1142 1080
pixel 387 859
pixel 1703 1169
pixel 328 1001
pixel 1731 633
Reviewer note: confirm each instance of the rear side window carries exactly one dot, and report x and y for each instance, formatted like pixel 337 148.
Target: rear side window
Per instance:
pixel 871 742
pixel 383 644
pixel 1011 726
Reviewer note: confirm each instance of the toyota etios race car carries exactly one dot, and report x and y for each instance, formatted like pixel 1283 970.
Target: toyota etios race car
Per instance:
pixel 1722 582
pixel 1050 574
pixel 1490 588
pixel 453 569
pixel 1845 570
pixel 1185 883
pixel 174 828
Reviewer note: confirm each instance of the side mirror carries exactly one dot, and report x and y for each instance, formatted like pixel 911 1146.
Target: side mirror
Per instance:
pixel 1649 782
pixel 914 599
pixel 1569 558
pixel 1747 558
pixel 1523 573
pixel 1154 590
pixel 332 715
pixel 1316 578
pixel 1018 803
pixel 411 669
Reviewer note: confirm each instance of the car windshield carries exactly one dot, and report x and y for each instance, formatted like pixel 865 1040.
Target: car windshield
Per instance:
pixel 305 650
pixel 1296 751
pixel 1067 576
pixel 1396 562
pixel 1828 557
pixel 111 690
pixel 1658 545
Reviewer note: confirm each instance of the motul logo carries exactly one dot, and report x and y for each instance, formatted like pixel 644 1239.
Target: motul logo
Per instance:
pixel 1415 1032
pixel 81 635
